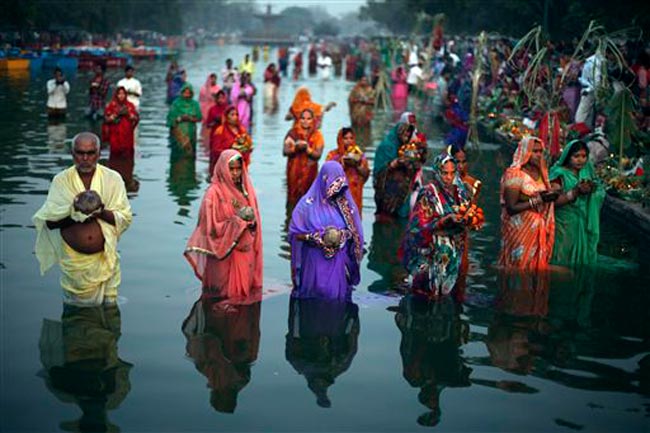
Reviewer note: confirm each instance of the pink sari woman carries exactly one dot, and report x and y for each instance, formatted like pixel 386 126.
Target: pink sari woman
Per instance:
pixel 400 91
pixel 206 102
pixel 527 209
pixel 225 249
pixel 241 96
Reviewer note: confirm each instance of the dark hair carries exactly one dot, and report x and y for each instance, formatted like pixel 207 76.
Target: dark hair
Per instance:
pixel 346 130
pixel 456 149
pixel 129 68
pixel 576 146
pixel 220 92
pixel 57 69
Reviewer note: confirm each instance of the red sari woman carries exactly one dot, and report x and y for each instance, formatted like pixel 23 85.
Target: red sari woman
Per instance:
pixel 230 135
pixel 225 249
pixel 354 163
pixel 121 118
pixel 303 147
pixel 215 115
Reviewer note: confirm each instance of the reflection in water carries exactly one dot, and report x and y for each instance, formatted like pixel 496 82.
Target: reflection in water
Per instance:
pixel 82 366
pixel 125 166
pixel 383 258
pixel 553 334
pixel 223 341
pixel 514 337
pixel 182 181
pixel 56 137
pixel 432 333
pixel 322 342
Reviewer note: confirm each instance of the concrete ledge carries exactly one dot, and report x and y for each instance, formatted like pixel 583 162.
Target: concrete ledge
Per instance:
pixel 632 217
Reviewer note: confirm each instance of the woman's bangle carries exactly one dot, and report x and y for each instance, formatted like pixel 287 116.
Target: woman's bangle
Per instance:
pixel 571 195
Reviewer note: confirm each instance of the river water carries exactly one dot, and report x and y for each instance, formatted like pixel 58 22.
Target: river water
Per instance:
pixel 533 353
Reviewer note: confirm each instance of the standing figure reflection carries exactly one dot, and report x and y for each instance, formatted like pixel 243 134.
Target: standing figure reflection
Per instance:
pixel 82 366
pixel 223 340
pixel 322 342
pixel 432 333
pixel 517 334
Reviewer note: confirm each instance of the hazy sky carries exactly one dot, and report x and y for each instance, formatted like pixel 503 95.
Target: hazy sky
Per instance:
pixel 334 7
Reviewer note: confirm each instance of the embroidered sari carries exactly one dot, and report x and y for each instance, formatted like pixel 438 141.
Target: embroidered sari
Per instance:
pixel 432 252
pixel 121 130
pixel 302 169
pixel 527 237
pixel 577 224
pixel 318 270
pixel 356 179
pixel 224 252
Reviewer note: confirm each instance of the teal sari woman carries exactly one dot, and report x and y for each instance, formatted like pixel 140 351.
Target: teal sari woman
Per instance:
pixel 577 210
pixel 182 118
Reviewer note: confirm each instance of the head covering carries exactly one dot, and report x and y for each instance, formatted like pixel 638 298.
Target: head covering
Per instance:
pixel 328 203
pixel 388 148
pixel 221 202
pixel 340 147
pixel 407 116
pixel 302 101
pixel 186 86
pixel 436 168
pixel 523 153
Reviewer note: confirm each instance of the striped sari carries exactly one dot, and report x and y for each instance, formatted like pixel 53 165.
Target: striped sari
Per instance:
pixel 527 237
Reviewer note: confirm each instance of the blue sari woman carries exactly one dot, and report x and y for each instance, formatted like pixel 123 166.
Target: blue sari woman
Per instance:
pixel 435 236
pixel 326 238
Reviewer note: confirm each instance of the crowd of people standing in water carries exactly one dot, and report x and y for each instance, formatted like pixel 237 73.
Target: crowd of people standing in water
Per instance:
pixel 548 216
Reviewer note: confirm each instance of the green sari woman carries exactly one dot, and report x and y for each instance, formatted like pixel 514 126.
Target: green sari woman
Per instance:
pixel 182 118
pixel 577 210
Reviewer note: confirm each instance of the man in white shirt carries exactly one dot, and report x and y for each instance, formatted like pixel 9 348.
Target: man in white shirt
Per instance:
pixel 590 80
pixel 57 89
pixel 414 77
pixel 325 65
pixel 132 86
pixel 229 76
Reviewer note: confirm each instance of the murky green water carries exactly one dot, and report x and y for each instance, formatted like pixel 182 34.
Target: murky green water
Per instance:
pixel 530 354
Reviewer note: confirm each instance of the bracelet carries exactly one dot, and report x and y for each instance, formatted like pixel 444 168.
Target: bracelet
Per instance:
pixel 571 195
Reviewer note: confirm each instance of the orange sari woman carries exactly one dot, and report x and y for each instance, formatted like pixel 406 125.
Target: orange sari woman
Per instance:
pixel 230 134
pixel 302 101
pixel 527 209
pixel 303 147
pixel 354 163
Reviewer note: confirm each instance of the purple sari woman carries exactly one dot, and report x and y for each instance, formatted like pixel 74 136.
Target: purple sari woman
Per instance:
pixel 326 238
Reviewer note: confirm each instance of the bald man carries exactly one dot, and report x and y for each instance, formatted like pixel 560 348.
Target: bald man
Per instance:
pixel 80 223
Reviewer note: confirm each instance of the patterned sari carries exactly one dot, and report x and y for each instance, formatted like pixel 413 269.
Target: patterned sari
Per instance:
pixel 356 180
pixel 432 251
pixel 527 237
